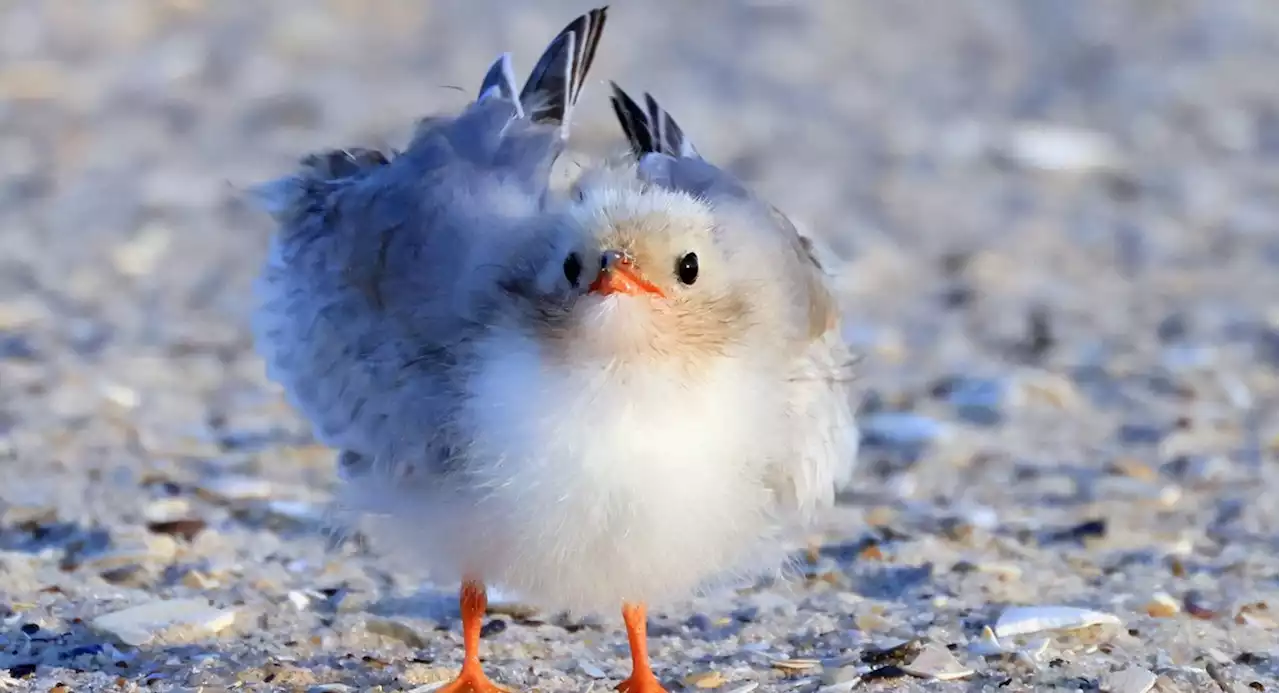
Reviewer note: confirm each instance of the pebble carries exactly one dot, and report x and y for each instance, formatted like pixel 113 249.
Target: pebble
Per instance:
pixel 840 675
pixel 1060 149
pixel 167 509
pixel 1258 614
pixel 157 548
pixel 1162 606
pixel 1024 620
pixel 937 662
pixel 901 429
pixel 295 510
pixel 1130 680
pixel 981 401
pixel 173 621
pixel 705 679
pixel 187 528
pixel 391 628
pixel 232 488
pixel 591 669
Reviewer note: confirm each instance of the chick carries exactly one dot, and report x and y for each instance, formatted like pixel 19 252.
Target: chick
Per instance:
pixel 607 396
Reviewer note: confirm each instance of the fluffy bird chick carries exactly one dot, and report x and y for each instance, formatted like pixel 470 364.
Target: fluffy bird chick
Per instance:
pixel 601 398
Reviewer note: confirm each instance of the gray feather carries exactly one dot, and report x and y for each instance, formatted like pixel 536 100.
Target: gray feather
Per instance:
pixel 500 82
pixel 650 130
pixel 385 267
pixel 558 77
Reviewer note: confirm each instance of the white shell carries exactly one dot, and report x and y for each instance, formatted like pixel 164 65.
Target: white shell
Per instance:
pixel 1131 680
pixel 1022 620
pixel 936 662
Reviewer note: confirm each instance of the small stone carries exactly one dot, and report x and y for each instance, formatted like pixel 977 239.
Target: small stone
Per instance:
pixel 706 679
pixel 300 600
pixel 390 628
pixel 795 664
pixel 140 255
pixel 592 669
pixel 839 675
pixel 1056 390
pixel 1135 469
pixel 871 622
pixel 902 429
pixel 330 688
pixel 419 674
pixel 988 644
pixel 1131 680
pixel 167 509
pixel 172 621
pixel 25 513
pixel 132 575
pixel 236 488
pixel 1198 606
pixel 299 511
pixel 1060 149
pixel 124 397
pixel 888 671
pixel 137 550
pixel 981 401
pixel 1162 606
pixel 186 528
pixel 1258 614
pixel 937 662
pixel 198 580
pixel 894 654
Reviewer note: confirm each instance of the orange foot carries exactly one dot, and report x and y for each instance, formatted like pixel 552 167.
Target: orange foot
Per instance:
pixel 472 600
pixel 641 682
pixel 642 679
pixel 472 680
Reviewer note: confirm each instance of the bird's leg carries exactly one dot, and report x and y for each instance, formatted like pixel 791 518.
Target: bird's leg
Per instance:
pixel 472 599
pixel 642 679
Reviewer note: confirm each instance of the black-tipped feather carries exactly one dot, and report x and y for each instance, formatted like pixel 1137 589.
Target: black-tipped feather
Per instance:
pixel 500 80
pixel 557 78
pixel 650 129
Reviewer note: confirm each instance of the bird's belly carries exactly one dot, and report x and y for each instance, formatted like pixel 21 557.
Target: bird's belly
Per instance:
pixel 595 486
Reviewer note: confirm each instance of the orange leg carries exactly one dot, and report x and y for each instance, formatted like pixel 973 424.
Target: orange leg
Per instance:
pixel 642 679
pixel 471 679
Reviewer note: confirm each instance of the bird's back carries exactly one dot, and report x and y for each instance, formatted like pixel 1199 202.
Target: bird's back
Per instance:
pixel 383 267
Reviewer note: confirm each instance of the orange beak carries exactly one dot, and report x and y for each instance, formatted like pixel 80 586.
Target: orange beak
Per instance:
pixel 618 276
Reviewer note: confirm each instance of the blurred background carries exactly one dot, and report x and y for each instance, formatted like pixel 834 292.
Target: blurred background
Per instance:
pixel 1057 229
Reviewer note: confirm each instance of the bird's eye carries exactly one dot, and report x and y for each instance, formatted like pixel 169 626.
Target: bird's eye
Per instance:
pixel 687 268
pixel 572 268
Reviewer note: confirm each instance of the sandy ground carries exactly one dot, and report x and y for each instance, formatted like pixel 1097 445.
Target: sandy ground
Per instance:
pixel 1058 221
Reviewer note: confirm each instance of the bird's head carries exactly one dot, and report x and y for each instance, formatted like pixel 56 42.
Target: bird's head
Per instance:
pixel 656 274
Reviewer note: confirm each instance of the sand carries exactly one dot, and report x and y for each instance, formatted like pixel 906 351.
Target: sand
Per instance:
pixel 1056 224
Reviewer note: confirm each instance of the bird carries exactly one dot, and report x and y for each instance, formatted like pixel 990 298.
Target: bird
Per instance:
pixel 603 394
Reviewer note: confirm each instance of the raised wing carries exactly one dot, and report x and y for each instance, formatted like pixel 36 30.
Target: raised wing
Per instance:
pixel 377 259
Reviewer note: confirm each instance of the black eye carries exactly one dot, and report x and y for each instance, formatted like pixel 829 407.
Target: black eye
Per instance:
pixel 687 268
pixel 572 268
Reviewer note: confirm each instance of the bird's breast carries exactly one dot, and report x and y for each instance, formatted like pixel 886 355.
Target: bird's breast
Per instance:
pixel 615 430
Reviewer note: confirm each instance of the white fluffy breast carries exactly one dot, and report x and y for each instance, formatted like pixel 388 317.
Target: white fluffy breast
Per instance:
pixel 605 481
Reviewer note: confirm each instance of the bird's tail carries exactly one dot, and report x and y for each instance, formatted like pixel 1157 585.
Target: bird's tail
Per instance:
pixel 650 130
pixel 553 86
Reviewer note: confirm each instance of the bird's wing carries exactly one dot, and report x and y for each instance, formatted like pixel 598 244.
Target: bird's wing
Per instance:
pixel 377 259
pixel 826 437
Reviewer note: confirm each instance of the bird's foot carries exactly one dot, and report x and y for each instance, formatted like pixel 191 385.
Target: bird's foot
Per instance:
pixel 472 680
pixel 641 682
